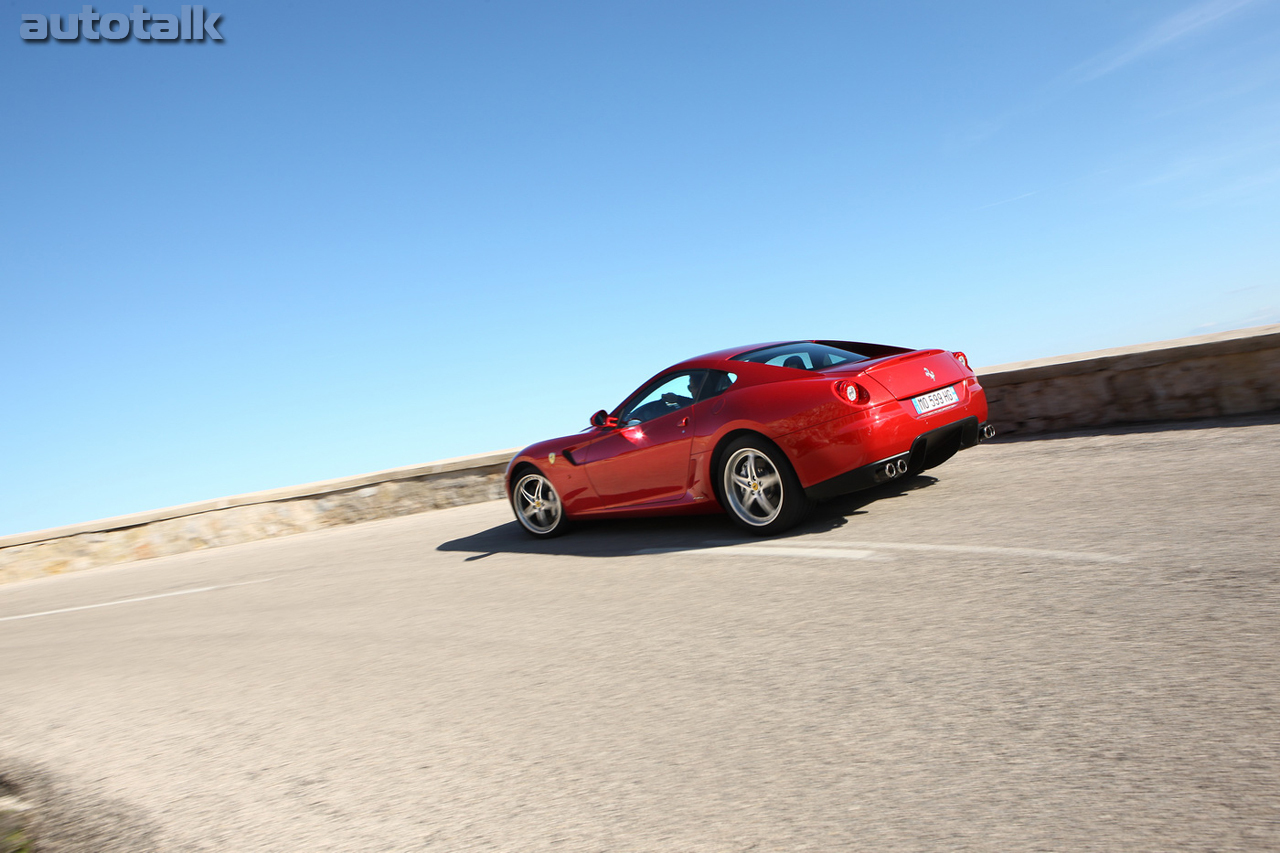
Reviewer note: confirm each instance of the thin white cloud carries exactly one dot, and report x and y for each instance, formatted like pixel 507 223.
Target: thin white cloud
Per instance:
pixel 1007 200
pixel 1240 168
pixel 1266 316
pixel 1049 189
pixel 1240 189
pixel 1166 32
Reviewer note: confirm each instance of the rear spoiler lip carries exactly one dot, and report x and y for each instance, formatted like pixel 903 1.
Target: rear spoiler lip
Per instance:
pixel 871 365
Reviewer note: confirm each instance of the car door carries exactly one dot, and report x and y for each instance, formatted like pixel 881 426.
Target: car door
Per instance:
pixel 646 458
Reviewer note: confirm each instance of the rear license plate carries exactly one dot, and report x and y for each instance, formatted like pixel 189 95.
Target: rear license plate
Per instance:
pixel 935 400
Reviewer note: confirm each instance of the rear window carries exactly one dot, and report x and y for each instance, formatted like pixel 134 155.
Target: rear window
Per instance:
pixel 804 355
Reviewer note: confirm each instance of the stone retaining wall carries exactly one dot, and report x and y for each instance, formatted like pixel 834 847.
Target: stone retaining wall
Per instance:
pixel 261 515
pixel 1233 373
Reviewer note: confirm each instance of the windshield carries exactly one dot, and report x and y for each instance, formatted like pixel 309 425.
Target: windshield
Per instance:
pixel 804 355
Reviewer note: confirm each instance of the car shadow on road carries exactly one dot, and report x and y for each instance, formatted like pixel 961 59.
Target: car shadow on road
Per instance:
pixel 629 536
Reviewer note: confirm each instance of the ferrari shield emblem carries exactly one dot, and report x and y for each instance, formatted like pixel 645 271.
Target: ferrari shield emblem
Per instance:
pixel 551 459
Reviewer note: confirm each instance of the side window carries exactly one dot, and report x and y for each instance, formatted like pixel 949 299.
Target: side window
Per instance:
pixel 717 383
pixel 664 395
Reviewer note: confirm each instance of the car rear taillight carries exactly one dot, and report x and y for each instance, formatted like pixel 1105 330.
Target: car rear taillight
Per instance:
pixel 851 392
pixel 962 358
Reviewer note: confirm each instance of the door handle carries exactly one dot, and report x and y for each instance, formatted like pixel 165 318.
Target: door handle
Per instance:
pixel 684 422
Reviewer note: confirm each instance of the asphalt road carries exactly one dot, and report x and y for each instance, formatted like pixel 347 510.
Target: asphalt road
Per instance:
pixel 1066 644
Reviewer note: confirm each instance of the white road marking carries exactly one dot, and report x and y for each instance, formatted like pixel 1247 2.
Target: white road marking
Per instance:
pixel 13 804
pixel 767 551
pixel 789 551
pixel 132 600
pixel 863 550
pixel 1080 556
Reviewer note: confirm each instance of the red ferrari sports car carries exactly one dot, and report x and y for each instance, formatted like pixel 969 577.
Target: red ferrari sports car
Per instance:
pixel 759 432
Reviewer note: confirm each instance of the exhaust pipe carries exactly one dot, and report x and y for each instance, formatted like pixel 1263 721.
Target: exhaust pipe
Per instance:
pixel 902 467
pixel 891 470
pixel 988 431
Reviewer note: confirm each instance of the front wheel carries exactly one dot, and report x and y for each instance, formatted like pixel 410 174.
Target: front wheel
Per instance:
pixel 759 488
pixel 537 506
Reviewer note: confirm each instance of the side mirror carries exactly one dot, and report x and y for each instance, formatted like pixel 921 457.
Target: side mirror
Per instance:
pixel 601 419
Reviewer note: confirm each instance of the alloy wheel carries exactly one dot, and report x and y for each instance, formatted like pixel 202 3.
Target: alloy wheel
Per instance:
pixel 753 487
pixel 537 505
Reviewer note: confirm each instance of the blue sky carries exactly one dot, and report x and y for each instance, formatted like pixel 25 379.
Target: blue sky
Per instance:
pixel 357 236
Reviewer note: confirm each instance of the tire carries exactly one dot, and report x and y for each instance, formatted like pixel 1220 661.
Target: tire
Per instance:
pixel 537 506
pixel 758 487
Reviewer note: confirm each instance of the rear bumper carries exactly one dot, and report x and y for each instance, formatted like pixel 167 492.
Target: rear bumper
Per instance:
pixel 877 433
pixel 928 450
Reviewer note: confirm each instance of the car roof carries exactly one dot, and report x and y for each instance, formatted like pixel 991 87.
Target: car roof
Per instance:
pixel 714 359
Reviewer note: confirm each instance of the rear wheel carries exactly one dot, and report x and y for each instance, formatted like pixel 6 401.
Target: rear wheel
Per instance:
pixel 537 506
pixel 760 490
